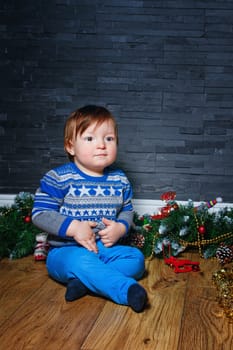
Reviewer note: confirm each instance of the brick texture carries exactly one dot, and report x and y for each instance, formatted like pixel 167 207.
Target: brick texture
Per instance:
pixel 164 68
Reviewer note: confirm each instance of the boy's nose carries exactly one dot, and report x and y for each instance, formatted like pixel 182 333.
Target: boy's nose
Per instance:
pixel 101 143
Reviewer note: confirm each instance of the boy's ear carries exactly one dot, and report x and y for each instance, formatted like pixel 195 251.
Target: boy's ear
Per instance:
pixel 69 147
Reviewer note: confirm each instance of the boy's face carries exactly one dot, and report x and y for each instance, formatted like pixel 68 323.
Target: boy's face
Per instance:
pixel 95 149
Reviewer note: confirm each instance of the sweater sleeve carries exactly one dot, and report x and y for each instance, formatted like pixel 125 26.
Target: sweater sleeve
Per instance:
pixel 125 216
pixel 52 222
pixel 47 203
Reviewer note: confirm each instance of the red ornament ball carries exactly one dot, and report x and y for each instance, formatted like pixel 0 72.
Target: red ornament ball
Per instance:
pixel 201 229
pixel 27 219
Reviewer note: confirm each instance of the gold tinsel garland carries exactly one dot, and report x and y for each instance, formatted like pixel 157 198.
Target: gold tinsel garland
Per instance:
pixel 223 280
pixel 203 242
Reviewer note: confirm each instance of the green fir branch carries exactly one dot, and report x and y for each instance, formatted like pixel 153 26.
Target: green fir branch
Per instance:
pixel 17 235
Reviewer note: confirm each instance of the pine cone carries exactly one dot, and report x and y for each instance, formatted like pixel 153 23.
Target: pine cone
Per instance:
pixel 138 240
pixel 224 254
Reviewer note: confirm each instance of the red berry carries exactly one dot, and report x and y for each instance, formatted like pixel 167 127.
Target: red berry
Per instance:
pixel 201 229
pixel 27 219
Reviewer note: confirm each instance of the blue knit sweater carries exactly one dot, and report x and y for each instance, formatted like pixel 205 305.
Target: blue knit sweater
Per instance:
pixel 66 193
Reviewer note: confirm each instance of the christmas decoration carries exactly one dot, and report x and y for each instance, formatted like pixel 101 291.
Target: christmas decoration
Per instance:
pixel 223 280
pixel 224 254
pixel 42 247
pixel 201 229
pixel 17 233
pixel 180 265
pixel 27 219
pixel 169 199
pixel 209 204
pixel 185 226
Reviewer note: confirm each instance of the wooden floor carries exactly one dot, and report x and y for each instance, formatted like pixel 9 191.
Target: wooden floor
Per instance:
pixel 183 312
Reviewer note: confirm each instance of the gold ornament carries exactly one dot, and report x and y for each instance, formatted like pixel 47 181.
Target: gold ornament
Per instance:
pixel 223 280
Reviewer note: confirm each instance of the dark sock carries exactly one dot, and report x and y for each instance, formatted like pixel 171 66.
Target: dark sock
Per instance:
pixel 75 290
pixel 137 297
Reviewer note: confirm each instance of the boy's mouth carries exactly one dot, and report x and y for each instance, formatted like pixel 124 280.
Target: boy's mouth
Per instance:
pixel 101 155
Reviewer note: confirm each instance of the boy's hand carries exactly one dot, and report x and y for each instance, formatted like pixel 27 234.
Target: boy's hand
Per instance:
pixel 82 233
pixel 112 233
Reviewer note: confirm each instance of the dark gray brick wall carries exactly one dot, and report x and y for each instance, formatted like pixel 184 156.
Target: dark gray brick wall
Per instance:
pixel 164 68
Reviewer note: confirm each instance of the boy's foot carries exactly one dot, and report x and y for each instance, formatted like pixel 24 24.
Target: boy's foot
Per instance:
pixel 137 297
pixel 75 289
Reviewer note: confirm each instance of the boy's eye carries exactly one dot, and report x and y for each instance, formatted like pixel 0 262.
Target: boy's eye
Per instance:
pixel 110 138
pixel 88 138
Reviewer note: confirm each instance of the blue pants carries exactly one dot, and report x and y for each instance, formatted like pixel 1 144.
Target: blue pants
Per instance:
pixel 109 273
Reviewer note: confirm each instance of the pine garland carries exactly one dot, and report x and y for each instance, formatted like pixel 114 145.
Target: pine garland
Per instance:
pixel 185 227
pixel 17 233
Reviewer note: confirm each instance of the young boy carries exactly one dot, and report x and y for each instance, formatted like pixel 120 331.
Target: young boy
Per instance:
pixel 86 208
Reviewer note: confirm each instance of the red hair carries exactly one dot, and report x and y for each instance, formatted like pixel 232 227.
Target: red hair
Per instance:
pixel 81 119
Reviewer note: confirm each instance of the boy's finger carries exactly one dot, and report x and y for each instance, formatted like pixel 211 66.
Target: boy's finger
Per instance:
pixel 92 223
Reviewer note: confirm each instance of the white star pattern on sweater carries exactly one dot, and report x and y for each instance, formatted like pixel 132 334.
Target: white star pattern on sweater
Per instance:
pixel 71 191
pixel 84 191
pixel 99 191
pixel 112 191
